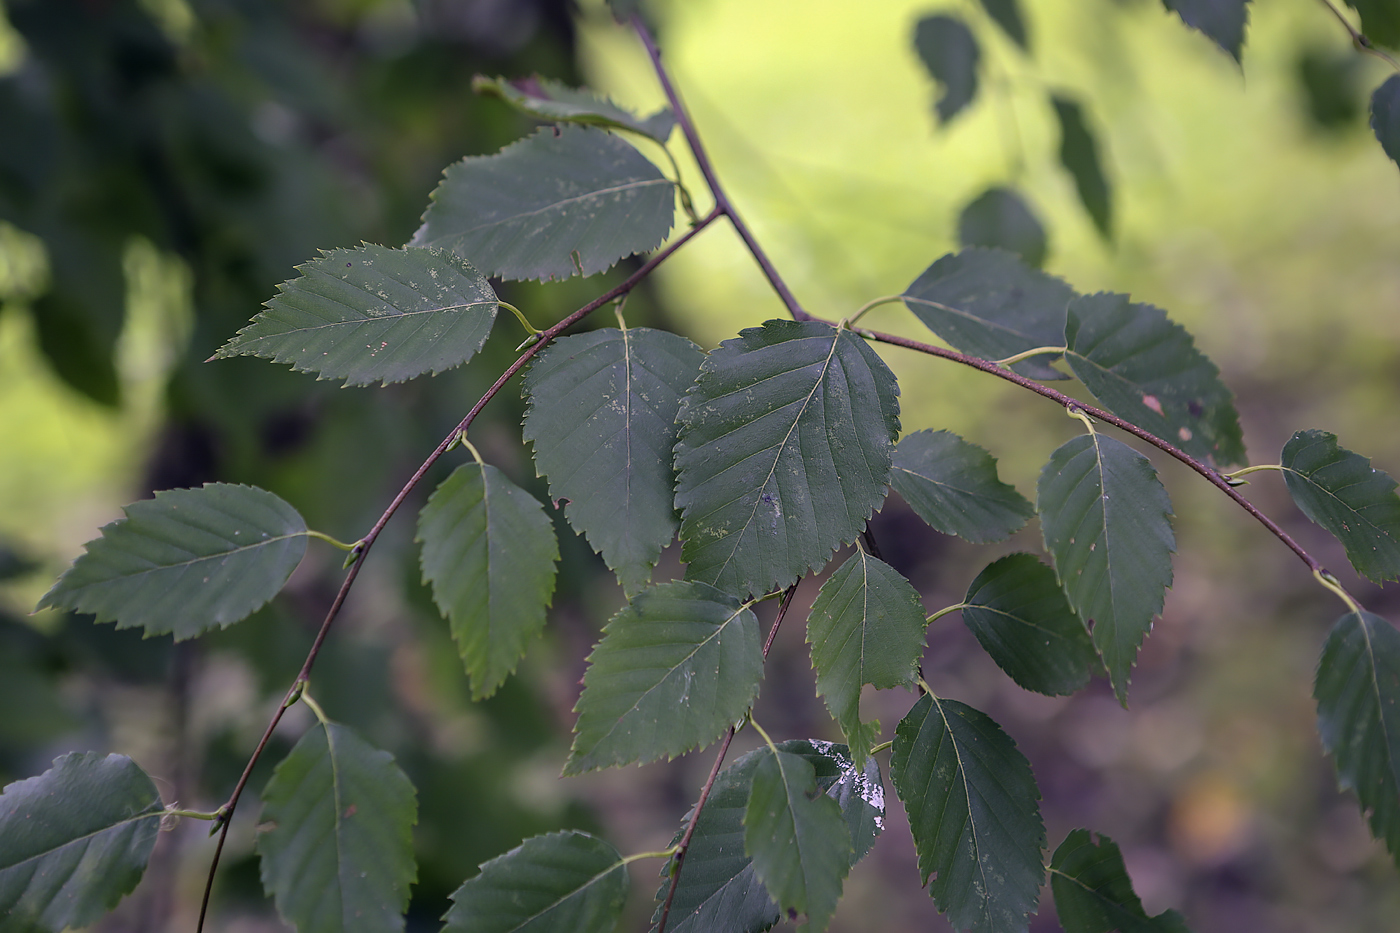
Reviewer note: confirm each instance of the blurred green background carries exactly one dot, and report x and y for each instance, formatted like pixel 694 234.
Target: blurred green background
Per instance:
pixel 165 163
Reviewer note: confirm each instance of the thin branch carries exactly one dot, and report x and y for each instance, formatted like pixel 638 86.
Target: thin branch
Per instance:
pixel 1358 38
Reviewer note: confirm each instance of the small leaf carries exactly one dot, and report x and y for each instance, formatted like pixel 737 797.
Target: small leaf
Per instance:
pixel 1352 500
pixel 1385 116
pixel 602 418
pixel 1146 369
pixel 784 453
pixel 185 562
pixel 949 51
pixel 1079 154
pixel 676 667
pixel 1380 20
pixel 1358 692
pixel 74 841
pixel 1007 15
pixel 1093 893
pixel 567 199
pixel 556 102
pixel 1106 519
pixel 566 881
pixel 489 551
pixel 1018 612
pixel 988 303
pixel 373 313
pixel 999 217
pixel 1222 21
pixel 953 486
pixel 866 626
pixel 973 810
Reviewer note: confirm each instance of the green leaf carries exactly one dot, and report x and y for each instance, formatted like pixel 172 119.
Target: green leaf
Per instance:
pixel 74 841
pixel 489 551
pixel 557 102
pixel 949 51
pixel 866 626
pixel 602 418
pixel 1093 893
pixel 676 667
pixel 953 486
pixel 1352 500
pixel 569 882
pixel 187 561
pixel 973 810
pixel 1222 21
pixel 1358 694
pixel 373 313
pixel 1018 612
pixel 1007 15
pixel 999 217
pixel 565 200
pixel 797 838
pixel 988 303
pixel 1079 154
pixel 1147 370
pixel 784 453
pixel 337 848
pixel 1107 521
pixel 1385 116
pixel 1380 20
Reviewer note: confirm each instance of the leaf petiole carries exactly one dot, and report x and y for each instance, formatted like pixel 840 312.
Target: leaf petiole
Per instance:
pixel 944 611
pixel 1075 411
pixel 881 747
pixel 1027 354
pixel 1234 478
pixel 766 738
pixel 333 542
pixel 315 708
pixel 873 303
pixel 664 853
pixel 1331 583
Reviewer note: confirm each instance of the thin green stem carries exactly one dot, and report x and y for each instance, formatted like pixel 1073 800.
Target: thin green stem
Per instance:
pixel 874 303
pixel 1074 411
pixel 519 316
pixel 881 747
pixel 1358 38
pixel 664 853
pixel 193 814
pixel 1027 354
pixel 1331 583
pixel 766 738
pixel 315 708
pixel 945 611
pixel 1255 469
pixel 476 454
pixel 321 536
pixel 924 687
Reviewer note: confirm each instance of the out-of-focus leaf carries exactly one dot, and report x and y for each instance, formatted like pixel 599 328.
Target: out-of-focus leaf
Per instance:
pixel 1107 520
pixel 338 853
pixel 1079 154
pixel 1380 20
pixel 489 551
pixel 622 9
pixel 953 485
pixel 373 313
pixel 74 841
pixel 784 453
pixel 1330 81
pixel 77 349
pixel 570 199
pixel 974 811
pixel 1000 218
pixel 1385 116
pixel 675 668
pixel 1353 501
pixel 1007 14
pixel 602 417
pixel 186 561
pixel 949 51
pixel 1222 21
pixel 551 100
pixel 1093 893
pixel 567 881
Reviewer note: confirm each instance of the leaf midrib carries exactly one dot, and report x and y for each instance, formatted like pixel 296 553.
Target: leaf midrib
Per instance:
pixel 157 813
pixel 551 206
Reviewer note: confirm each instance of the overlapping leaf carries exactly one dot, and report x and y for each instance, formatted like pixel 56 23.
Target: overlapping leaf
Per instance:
pixel 602 418
pixel 373 313
pixel 988 303
pixel 566 881
pixel 1000 218
pixel 489 552
pixel 1222 21
pixel 186 561
pixel 1380 21
pixel 784 453
pixel 949 51
pixel 1385 116
pixel 551 100
pixel 675 668
pixel 1358 716
pixel 974 812
pixel 1107 521
pixel 1093 893
pixel 953 485
pixel 1018 612
pixel 565 200
pixel 1007 15
pixel 1079 154
pixel 74 841
pixel 1146 369
pixel 1355 502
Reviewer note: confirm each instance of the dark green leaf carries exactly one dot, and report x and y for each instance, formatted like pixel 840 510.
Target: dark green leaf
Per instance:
pixel 556 102
pixel 74 841
pixel 1093 893
pixel 1380 20
pixel 675 668
pixel 784 453
pixel 953 486
pixel 949 51
pixel 1330 81
pixel 998 217
pixel 602 418
pixel 565 200
pixel 1358 717
pixel 1222 21
pixel 1007 14
pixel 567 882
pixel 974 812
pixel 373 313
pixel 1352 500
pixel 866 626
pixel 1079 154
pixel 186 561
pixel 1146 369
pixel 988 303
pixel 337 848
pixel 1018 612
pixel 1385 116
pixel 1107 520
pixel 489 551
pixel 622 9
pixel 77 348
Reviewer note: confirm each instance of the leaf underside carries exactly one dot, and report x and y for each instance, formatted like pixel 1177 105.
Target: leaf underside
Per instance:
pixel 1079 154
pixel 953 485
pixel 1385 116
pixel 1222 21
pixel 551 100
pixel 999 218
pixel 1093 893
pixel 949 51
